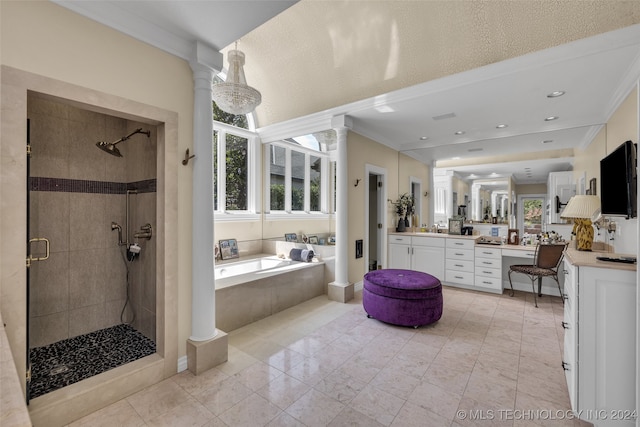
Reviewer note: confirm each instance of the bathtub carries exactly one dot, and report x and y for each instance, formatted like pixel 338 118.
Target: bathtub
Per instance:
pixel 248 267
pixel 250 290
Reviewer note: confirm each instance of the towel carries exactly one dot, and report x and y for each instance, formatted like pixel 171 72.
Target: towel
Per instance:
pixel 305 255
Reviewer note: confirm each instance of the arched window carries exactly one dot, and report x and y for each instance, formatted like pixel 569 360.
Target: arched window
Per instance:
pixel 236 173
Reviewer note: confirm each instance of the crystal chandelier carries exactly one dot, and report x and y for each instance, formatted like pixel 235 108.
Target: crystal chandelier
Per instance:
pixel 234 95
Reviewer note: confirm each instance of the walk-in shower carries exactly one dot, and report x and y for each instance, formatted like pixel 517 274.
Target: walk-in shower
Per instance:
pixel 110 147
pixel 92 303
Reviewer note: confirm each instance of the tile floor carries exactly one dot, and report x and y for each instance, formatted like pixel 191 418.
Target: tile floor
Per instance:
pixel 68 361
pixel 490 360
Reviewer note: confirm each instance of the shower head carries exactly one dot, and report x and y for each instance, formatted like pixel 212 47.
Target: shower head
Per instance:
pixel 110 147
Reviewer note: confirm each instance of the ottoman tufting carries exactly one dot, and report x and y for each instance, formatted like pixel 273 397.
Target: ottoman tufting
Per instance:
pixel 402 297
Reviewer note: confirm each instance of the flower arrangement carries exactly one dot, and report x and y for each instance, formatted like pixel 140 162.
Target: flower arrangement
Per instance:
pixel 404 206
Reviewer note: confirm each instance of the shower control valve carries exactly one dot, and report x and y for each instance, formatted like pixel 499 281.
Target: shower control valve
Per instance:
pixel 146 231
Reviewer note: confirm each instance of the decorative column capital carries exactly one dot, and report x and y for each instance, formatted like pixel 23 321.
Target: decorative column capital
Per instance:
pixel 341 123
pixel 205 59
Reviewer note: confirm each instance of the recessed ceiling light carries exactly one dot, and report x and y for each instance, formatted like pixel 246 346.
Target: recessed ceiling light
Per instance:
pixel 424 138
pixel 384 109
pixel 556 94
pixel 547 141
pixel 501 126
pixel 460 132
pixel 548 119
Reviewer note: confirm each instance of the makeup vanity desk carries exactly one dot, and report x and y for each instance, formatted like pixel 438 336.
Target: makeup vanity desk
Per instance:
pixel 461 261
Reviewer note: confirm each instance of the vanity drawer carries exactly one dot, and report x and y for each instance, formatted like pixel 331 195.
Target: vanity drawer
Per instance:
pixel 519 253
pixel 493 253
pixel 460 243
pixel 489 272
pixel 459 277
pixel 459 265
pixel 437 242
pixel 488 262
pixel 489 282
pixel 463 254
pixel 394 238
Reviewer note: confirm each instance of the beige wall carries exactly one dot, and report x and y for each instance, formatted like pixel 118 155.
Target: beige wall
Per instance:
pixel 621 127
pixel 531 189
pixel 363 151
pixel 45 39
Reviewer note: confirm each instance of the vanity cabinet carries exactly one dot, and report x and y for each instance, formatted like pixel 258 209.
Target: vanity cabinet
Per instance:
pixel 418 253
pixel 599 358
pixel 488 268
pixel 399 252
pixel 459 261
pixel 428 255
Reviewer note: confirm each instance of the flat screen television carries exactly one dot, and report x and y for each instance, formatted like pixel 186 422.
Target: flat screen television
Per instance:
pixel 618 181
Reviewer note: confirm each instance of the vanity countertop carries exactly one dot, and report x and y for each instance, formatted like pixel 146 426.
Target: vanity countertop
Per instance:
pixel 589 259
pixel 428 234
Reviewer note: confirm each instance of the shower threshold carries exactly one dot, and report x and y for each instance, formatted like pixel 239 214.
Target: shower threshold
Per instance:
pixel 72 360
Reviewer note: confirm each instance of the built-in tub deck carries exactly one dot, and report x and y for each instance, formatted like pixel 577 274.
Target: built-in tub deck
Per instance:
pixel 254 288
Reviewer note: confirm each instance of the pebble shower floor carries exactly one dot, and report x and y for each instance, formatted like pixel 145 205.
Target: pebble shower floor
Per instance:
pixel 68 361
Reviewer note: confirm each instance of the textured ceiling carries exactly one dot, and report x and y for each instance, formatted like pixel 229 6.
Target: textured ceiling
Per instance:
pixel 322 54
pixel 395 66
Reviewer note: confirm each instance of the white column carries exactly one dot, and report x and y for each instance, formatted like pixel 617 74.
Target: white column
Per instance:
pixel 342 211
pixel 476 202
pixel 203 314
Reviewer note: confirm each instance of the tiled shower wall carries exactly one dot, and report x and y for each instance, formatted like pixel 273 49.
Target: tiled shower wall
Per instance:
pixel 76 192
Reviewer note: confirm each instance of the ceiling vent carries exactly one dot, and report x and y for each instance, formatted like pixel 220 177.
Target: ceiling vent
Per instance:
pixel 444 116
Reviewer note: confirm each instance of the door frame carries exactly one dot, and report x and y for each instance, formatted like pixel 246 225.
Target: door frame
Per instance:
pixel 520 213
pixel 417 199
pixel 382 214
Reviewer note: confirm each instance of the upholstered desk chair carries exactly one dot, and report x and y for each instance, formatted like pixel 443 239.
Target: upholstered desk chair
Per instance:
pixel 546 262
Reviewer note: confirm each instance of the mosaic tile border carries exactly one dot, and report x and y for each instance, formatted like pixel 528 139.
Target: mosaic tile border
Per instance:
pixel 86 186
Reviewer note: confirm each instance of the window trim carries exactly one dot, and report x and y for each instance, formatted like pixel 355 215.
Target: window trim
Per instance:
pixel 253 173
pixel 288 213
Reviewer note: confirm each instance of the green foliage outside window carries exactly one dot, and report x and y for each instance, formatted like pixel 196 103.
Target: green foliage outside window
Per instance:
pixel 236 162
pixel 532 211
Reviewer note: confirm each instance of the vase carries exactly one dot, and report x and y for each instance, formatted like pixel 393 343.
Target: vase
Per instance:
pixel 401 225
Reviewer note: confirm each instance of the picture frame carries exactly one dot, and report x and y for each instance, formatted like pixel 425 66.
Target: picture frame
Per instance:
pixel 332 240
pixel 592 187
pixel 291 237
pixel 455 226
pixel 513 236
pixel 229 249
pixel 313 240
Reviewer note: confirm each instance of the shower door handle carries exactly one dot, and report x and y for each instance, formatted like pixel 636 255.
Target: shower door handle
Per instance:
pixel 46 246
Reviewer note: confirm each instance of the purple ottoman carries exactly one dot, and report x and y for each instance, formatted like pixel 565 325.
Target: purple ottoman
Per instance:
pixel 402 297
